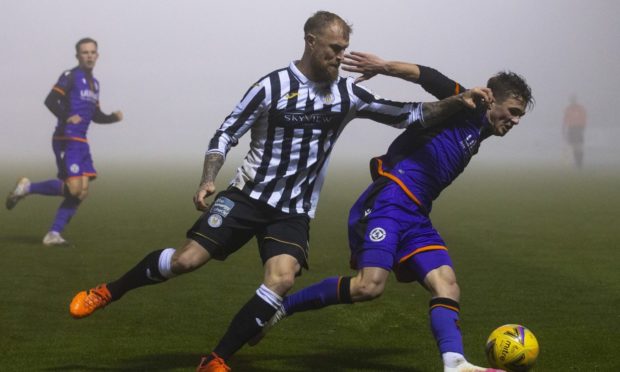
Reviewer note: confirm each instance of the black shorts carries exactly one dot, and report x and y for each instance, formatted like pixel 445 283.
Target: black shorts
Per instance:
pixel 234 218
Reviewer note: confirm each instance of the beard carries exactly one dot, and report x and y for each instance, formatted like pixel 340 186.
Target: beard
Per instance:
pixel 325 72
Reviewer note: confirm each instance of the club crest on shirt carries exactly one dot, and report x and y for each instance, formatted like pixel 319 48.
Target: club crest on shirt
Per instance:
pixel 377 234
pixel 328 98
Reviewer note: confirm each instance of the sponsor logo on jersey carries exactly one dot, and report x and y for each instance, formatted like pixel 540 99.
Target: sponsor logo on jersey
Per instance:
pixel 89 95
pixel 302 118
pixel 377 234
pixel 469 144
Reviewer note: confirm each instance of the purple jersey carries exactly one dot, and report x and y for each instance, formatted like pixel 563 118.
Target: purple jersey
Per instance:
pixel 80 92
pixel 423 162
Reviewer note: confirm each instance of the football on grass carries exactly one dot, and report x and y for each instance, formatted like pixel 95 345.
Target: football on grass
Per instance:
pixel 512 347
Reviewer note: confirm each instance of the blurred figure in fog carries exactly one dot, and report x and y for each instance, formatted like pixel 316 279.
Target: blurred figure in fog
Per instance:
pixel 573 129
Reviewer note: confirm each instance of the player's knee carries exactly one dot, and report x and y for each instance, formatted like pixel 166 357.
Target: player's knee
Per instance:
pixel 83 194
pixel 448 289
pixel 280 283
pixel 442 283
pixel 367 290
pixel 280 272
pixel 182 264
pixel 74 192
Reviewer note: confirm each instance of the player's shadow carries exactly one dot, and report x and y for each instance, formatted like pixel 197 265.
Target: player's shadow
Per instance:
pixel 368 359
pixel 334 359
pixel 156 362
pixel 21 239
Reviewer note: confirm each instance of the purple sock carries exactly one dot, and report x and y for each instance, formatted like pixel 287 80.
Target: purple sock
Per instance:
pixel 444 317
pixel 54 187
pixel 330 291
pixel 67 209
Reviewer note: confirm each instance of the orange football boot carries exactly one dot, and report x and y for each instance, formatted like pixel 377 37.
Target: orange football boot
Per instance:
pixel 86 302
pixel 216 364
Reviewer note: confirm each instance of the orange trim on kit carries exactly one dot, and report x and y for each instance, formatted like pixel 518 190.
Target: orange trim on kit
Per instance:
pixel 400 183
pixel 457 89
pixel 456 309
pixel 423 249
pixel 63 138
pixel 59 90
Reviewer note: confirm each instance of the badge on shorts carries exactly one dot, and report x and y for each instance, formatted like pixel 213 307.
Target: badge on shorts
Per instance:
pixel 74 168
pixel 222 206
pixel 219 210
pixel 377 234
pixel 215 220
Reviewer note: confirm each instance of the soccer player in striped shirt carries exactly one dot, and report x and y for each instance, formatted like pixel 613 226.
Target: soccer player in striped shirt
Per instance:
pixel 74 100
pixel 389 225
pixel 295 115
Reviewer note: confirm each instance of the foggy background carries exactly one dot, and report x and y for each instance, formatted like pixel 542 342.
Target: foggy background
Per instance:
pixel 177 68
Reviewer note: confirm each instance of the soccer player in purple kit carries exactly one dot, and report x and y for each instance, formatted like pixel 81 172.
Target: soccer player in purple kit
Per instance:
pixel 389 224
pixel 74 100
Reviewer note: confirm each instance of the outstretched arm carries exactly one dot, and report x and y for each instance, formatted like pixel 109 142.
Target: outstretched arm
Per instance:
pixel 370 65
pixel 436 112
pixel 431 80
pixel 212 165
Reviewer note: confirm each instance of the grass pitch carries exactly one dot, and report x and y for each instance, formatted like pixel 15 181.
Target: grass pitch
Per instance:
pixel 535 247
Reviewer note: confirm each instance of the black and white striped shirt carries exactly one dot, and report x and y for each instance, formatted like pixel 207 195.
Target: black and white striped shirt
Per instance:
pixel 294 125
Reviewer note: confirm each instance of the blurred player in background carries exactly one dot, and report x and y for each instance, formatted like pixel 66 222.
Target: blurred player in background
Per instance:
pixel 389 225
pixel 295 115
pixel 573 128
pixel 74 100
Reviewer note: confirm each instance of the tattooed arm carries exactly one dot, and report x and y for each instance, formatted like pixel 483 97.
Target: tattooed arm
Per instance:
pixel 212 165
pixel 436 112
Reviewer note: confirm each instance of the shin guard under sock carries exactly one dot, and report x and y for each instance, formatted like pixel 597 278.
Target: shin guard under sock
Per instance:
pixel 146 272
pixel 65 213
pixel 444 319
pixel 248 322
pixel 53 187
pixel 331 291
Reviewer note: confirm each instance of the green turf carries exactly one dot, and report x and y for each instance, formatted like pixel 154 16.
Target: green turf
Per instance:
pixel 536 247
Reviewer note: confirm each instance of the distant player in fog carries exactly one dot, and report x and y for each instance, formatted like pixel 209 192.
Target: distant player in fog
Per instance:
pixel 573 129
pixel 74 100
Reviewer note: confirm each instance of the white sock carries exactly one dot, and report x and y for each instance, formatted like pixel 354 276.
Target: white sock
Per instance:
pixel 269 296
pixel 452 360
pixel 165 263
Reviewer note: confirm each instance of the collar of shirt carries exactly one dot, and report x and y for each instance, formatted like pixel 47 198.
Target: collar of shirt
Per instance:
pixel 314 88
